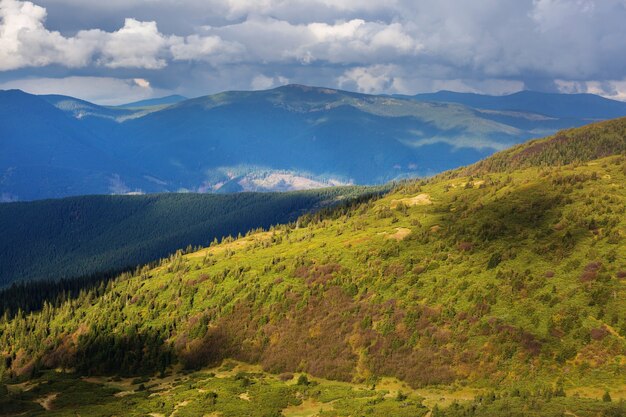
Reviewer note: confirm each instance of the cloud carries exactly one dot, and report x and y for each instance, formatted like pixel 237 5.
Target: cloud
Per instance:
pixel 374 79
pixel 407 46
pixel 614 89
pixel 212 49
pixel 356 41
pixel 141 82
pixel 398 79
pixel 262 82
pixel 25 42
pixel 136 45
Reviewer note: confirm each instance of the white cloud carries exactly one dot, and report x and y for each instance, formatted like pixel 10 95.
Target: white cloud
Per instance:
pixel 263 82
pixel 142 82
pixel 212 49
pixel 136 45
pixel 374 79
pixel 392 46
pixel 613 89
pixel 398 79
pixel 24 41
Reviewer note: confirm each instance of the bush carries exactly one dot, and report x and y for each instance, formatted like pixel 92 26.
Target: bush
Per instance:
pixel 303 380
pixel 495 260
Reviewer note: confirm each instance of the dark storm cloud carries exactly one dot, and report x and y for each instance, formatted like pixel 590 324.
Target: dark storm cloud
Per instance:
pixel 149 47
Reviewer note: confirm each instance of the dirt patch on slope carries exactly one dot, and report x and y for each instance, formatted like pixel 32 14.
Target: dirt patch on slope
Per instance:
pixel 400 234
pixel 418 200
pixel 46 402
pixel 308 408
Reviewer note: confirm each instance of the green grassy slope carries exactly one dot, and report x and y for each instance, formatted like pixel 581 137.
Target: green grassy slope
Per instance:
pixel 569 146
pixel 77 236
pixel 236 389
pixel 507 281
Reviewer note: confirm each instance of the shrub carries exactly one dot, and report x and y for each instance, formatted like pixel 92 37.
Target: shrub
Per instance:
pixel 495 260
pixel 303 380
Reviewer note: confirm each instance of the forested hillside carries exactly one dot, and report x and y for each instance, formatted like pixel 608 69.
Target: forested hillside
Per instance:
pixel 506 288
pixel 583 144
pixel 79 236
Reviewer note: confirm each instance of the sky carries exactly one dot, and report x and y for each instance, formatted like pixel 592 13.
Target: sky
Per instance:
pixel 116 51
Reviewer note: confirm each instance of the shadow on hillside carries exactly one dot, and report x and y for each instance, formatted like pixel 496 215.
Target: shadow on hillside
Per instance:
pixel 102 351
pixel 528 212
pixel 31 296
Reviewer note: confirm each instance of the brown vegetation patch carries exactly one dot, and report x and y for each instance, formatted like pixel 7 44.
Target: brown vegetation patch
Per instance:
pixel 465 246
pixel 394 270
pixel 317 274
pixel 285 376
pixel 201 278
pixel 599 333
pixel 591 272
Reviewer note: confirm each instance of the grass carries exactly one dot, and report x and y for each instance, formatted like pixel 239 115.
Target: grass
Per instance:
pixel 206 392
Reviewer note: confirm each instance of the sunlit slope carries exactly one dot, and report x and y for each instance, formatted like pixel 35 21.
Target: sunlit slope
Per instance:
pixel 498 278
pixel 569 146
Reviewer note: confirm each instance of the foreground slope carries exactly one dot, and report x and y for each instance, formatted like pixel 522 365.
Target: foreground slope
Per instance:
pixel 509 281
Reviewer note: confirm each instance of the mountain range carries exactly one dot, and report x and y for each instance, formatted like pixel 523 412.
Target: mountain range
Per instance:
pixel 288 138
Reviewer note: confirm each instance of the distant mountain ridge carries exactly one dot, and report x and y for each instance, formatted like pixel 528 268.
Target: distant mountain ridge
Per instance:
pixel 160 101
pixel 583 106
pixel 287 138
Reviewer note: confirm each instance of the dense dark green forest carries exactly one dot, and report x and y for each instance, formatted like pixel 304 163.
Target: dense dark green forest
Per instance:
pixel 80 236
